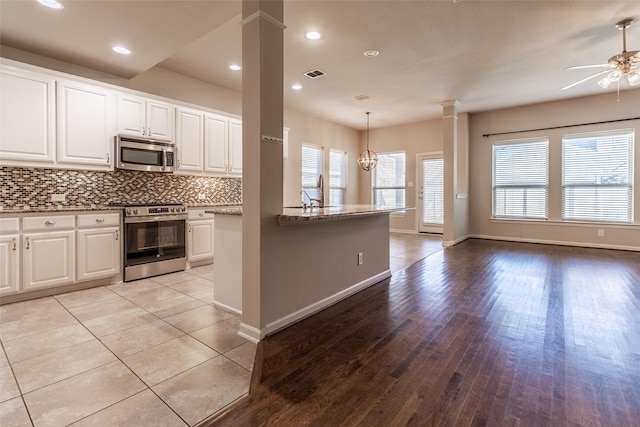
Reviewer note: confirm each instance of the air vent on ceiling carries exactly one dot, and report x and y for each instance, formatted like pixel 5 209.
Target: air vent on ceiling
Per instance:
pixel 314 74
pixel 361 97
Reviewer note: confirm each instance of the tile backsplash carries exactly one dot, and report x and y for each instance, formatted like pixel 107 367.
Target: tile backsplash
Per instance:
pixel 20 187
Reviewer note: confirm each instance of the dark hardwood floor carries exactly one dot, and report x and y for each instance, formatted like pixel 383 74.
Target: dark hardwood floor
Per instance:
pixel 483 333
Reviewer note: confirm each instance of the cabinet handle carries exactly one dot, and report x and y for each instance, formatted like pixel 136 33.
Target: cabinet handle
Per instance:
pixel 15 245
pixel 189 228
pixel 117 234
pixel 49 222
pixel 99 219
pixel 108 158
pixel 27 243
pixel 149 132
pixel 144 131
pixel 201 214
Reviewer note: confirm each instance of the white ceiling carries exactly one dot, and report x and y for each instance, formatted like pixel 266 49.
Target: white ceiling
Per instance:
pixel 486 54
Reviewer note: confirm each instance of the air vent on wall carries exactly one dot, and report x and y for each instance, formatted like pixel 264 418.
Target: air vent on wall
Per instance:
pixel 361 97
pixel 314 74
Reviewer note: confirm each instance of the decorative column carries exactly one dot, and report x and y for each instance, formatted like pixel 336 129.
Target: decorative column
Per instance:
pixel 262 123
pixel 450 152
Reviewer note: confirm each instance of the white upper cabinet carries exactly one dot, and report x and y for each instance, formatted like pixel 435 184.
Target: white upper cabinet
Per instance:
pixel 235 146
pixel 145 117
pixel 215 147
pixel 27 116
pixel 85 125
pixel 189 139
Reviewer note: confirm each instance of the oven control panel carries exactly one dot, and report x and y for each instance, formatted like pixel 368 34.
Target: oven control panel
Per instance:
pixel 154 210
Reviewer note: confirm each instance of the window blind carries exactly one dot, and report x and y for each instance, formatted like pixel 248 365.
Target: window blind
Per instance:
pixel 433 191
pixel 389 180
pixel 337 176
pixel 597 182
pixel 520 179
pixel 312 165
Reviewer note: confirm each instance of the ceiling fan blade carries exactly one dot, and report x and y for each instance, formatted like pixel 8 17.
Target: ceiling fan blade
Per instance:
pixel 579 67
pixel 585 79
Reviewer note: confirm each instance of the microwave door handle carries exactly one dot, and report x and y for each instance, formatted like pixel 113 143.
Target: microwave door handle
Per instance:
pixel 164 159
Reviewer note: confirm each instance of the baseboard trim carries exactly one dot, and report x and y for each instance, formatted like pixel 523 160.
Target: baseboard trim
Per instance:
pixel 448 243
pixel 556 242
pixel 403 231
pixel 250 333
pixel 227 308
pixel 322 304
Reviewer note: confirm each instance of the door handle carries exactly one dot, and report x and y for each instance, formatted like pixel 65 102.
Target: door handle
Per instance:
pixel 117 234
pixel 27 243
pixel 15 245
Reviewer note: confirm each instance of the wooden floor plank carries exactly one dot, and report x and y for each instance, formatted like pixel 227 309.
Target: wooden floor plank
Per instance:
pixel 484 333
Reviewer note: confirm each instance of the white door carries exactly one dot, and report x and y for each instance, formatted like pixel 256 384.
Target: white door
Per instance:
pixel 431 193
pixel 98 253
pixel 9 264
pixel 160 120
pixel 215 143
pixel 27 114
pixel 131 115
pixel 199 240
pixel 189 139
pixel 48 259
pixel 85 125
pixel 235 146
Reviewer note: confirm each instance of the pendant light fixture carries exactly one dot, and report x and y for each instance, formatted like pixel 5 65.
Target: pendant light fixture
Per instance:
pixel 368 159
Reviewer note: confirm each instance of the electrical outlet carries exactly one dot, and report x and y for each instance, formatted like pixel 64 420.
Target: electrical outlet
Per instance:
pixel 202 196
pixel 58 197
pixel 360 258
pixel 600 233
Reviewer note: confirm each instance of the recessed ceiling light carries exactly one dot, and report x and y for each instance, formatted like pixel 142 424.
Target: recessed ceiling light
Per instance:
pixel 53 4
pixel 313 35
pixel 296 86
pixel 121 49
pixel 371 52
pixel 235 67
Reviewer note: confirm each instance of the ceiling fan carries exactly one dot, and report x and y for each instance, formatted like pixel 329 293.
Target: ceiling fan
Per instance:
pixel 625 64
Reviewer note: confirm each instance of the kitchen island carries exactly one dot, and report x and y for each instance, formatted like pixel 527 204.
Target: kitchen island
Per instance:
pixel 320 256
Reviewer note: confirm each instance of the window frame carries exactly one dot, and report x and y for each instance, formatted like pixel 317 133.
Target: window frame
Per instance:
pixel 495 187
pixel 374 176
pixel 312 190
pixel 342 188
pixel 630 134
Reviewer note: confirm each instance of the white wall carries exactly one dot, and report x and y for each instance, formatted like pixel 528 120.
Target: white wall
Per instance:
pixel 576 111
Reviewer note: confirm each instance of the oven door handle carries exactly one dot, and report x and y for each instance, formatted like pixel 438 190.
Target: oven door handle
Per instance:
pixel 159 218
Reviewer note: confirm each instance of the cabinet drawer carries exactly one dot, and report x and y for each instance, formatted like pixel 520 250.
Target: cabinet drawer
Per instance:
pixel 99 220
pixel 195 214
pixel 9 225
pixel 48 222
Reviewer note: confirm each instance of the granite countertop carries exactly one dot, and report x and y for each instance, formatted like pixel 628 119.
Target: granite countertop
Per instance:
pixel 226 210
pixel 12 210
pixel 298 215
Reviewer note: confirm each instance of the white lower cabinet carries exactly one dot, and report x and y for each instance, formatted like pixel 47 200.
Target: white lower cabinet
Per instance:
pixel 199 236
pixel 9 256
pixel 99 249
pixel 49 259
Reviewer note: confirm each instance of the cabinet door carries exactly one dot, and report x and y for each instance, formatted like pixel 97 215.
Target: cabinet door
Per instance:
pixel 235 146
pixel 160 120
pixel 131 115
pixel 48 259
pixel 85 125
pixel 199 240
pixel 98 253
pixel 9 264
pixel 215 148
pixel 190 139
pixel 27 116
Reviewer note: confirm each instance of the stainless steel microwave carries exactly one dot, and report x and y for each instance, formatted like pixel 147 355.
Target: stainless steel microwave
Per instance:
pixel 143 154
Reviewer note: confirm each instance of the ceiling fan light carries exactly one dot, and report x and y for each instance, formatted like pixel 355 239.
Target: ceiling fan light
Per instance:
pixel 615 75
pixel 604 83
pixel 633 78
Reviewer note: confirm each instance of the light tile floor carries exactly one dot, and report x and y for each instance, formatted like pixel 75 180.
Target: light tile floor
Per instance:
pixel 146 353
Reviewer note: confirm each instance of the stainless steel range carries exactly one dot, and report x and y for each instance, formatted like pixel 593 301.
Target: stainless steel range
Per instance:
pixel 154 239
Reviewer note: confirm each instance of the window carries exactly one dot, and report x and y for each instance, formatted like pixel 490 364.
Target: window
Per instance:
pixel 388 180
pixel 338 177
pixel 520 179
pixel 432 190
pixel 312 165
pixel 597 182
